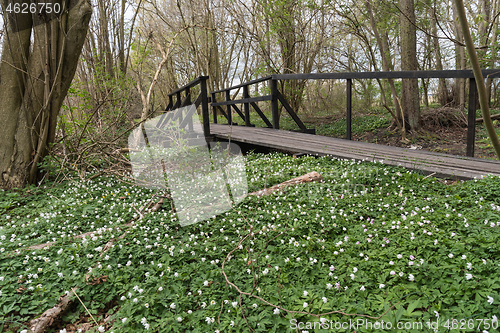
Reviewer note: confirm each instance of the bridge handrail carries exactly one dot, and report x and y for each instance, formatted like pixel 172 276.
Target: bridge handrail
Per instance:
pixel 189 85
pixel 262 79
pixel 202 100
pixel 430 74
pixel 276 96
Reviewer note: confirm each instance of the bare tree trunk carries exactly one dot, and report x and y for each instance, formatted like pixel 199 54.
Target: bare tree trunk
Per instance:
pixel 484 23
pixel 121 37
pixel 481 89
pixel 459 60
pixel 15 137
pixel 106 47
pixel 442 89
pixel 425 93
pixel 385 54
pixel 409 99
pixel 491 62
pixel 286 23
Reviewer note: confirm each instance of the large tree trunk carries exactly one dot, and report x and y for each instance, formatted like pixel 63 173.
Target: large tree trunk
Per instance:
pixel 409 99
pixel 33 85
pixel 14 134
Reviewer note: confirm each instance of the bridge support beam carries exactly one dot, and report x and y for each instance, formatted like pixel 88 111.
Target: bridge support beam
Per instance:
pixel 204 107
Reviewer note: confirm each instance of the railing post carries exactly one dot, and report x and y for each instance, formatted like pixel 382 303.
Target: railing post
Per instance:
pixel 170 102
pixel 188 102
pixel 179 99
pixel 228 108
pixel 204 107
pixel 188 96
pixel 471 117
pixel 348 108
pixel 246 106
pixel 214 108
pixel 179 105
pixel 274 103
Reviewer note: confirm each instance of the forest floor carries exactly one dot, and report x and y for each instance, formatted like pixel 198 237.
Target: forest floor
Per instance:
pixel 448 137
pixel 371 243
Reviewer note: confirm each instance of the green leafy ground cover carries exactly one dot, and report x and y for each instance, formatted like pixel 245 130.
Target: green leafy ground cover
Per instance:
pixel 370 240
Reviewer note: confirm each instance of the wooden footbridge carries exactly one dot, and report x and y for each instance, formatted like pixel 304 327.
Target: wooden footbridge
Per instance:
pixel 305 141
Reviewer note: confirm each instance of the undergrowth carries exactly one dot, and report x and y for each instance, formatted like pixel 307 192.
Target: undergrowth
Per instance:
pixel 370 243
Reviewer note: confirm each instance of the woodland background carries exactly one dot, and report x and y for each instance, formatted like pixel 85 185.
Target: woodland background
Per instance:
pixel 136 52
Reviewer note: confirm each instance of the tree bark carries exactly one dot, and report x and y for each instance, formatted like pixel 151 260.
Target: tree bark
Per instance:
pixel 34 81
pixel 15 55
pixel 410 97
pixel 493 48
pixel 121 36
pixel 104 37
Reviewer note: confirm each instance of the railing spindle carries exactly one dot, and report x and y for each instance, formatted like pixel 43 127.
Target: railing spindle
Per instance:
pixel 214 108
pixel 471 117
pixel 274 103
pixel 229 117
pixel 246 106
pixel 204 107
pixel 349 108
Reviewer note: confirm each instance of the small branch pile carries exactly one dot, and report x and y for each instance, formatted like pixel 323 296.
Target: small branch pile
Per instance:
pixel 444 117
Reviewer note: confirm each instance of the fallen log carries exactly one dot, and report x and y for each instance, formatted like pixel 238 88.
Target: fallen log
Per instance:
pixel 493 117
pixel 38 325
pixel 307 178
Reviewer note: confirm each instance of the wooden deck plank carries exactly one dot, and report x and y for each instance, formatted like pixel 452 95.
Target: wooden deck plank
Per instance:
pixel 447 166
pixel 433 158
pixel 340 144
pixel 363 147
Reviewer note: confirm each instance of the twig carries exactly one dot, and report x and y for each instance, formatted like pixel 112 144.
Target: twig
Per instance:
pixel 74 292
pixel 432 174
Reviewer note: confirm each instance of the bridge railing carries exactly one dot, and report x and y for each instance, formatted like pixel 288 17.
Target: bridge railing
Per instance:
pixel 275 96
pixel 182 97
pixel 349 76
